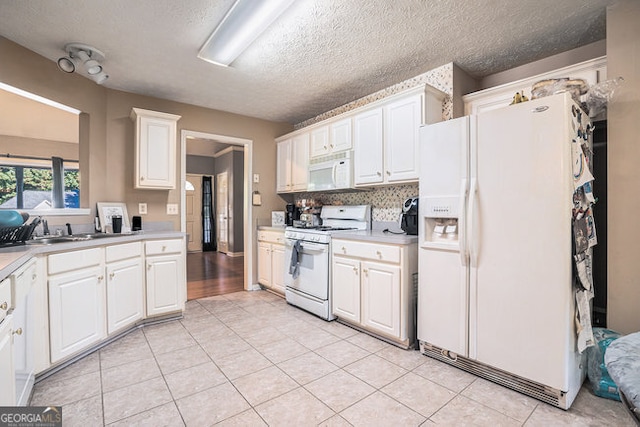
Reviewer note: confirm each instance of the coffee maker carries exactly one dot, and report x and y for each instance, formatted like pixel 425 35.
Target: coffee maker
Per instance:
pixel 409 216
pixel 292 214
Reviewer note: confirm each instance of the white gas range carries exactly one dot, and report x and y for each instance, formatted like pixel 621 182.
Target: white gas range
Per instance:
pixel 307 257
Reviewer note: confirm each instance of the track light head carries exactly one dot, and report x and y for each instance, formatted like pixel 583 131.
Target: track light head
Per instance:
pixel 66 64
pixel 88 56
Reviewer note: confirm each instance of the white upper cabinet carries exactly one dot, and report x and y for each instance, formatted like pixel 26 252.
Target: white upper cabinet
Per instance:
pixel 292 164
pixel 592 71
pixel 402 120
pixel 368 147
pixel 283 166
pixel 382 134
pixel 319 142
pixel 386 137
pixel 341 139
pixel 331 138
pixel 300 162
pixel 155 149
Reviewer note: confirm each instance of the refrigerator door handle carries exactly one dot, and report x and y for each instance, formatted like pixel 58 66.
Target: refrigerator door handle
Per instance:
pixel 462 235
pixel 473 239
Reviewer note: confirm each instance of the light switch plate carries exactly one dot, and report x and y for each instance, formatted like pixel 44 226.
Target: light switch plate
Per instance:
pixel 142 208
pixel 256 178
pixel 172 209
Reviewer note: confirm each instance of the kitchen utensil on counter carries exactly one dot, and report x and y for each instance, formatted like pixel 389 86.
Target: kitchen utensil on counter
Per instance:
pixel 292 214
pixel 136 223
pixel 116 222
pixel 409 216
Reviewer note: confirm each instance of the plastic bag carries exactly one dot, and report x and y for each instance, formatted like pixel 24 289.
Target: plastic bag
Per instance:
pixel 600 94
pixel 601 383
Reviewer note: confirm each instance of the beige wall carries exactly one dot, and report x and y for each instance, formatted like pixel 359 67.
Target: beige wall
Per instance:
pixel 107 158
pixel 25 117
pixel 623 148
pixel 18 146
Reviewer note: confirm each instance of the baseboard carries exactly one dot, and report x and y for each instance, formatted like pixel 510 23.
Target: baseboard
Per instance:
pixel 234 254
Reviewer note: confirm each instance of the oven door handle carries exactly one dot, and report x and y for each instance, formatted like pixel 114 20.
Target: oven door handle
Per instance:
pixel 309 247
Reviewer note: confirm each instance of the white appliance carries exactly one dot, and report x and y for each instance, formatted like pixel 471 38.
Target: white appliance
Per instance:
pixel 331 172
pixel 495 258
pixel 311 288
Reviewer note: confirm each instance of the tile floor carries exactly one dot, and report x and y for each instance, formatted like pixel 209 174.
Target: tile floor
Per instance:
pixel 248 358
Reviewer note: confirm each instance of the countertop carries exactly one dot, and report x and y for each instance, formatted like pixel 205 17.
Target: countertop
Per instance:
pixel 367 235
pixel 12 258
pixel 378 236
pixel 271 227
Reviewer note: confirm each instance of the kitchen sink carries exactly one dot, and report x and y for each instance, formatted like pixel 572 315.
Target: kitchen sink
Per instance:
pixel 49 240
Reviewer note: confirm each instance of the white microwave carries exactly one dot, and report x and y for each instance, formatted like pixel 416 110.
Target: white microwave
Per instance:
pixel 332 172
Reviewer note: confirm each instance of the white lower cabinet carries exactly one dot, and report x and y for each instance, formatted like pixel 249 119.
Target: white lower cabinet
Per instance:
pixel 7 391
pixel 25 327
pixel 346 288
pixel 381 297
pixel 271 262
pixel 372 287
pixel 76 309
pixel 165 276
pixel 125 286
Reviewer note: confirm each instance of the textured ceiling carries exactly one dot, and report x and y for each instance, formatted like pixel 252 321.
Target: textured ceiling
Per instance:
pixel 319 55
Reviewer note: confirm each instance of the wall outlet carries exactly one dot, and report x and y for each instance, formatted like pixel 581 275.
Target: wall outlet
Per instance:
pixel 256 178
pixel 172 209
pixel 142 208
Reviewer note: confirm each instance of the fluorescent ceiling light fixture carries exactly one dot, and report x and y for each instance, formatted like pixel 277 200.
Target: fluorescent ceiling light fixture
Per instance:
pixel 244 22
pixel 38 98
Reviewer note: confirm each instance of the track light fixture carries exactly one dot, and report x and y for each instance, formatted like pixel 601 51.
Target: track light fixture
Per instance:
pixel 88 56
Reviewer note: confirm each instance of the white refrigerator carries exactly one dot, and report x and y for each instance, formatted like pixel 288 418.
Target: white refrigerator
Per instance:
pixel 496 291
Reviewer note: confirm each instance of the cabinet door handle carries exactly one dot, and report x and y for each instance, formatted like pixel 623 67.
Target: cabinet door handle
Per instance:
pixel 331 145
pixel 355 270
pixel 4 305
pixel 142 178
pixel 149 266
pixel 324 146
pixel 388 173
pixel 34 277
pixel 344 250
pixel 112 275
pixel 164 248
pixel 17 331
pixel 379 173
pixel 100 278
pixel 379 254
pixel 365 271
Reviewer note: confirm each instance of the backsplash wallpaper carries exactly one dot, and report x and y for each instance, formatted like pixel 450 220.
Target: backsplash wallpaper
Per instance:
pixel 386 202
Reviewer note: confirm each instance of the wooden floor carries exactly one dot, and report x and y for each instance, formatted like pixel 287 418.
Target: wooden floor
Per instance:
pixel 213 273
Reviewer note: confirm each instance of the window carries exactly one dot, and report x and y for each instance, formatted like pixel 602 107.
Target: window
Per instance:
pixel 32 184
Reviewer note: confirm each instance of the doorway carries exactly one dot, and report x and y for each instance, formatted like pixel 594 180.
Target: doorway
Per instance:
pixel 212 272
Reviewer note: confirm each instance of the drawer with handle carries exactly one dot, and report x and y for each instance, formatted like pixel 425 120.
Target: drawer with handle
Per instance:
pixel 161 247
pixel 271 236
pixel 373 251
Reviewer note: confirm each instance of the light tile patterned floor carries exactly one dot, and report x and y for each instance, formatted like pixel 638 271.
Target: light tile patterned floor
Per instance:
pixel 250 359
